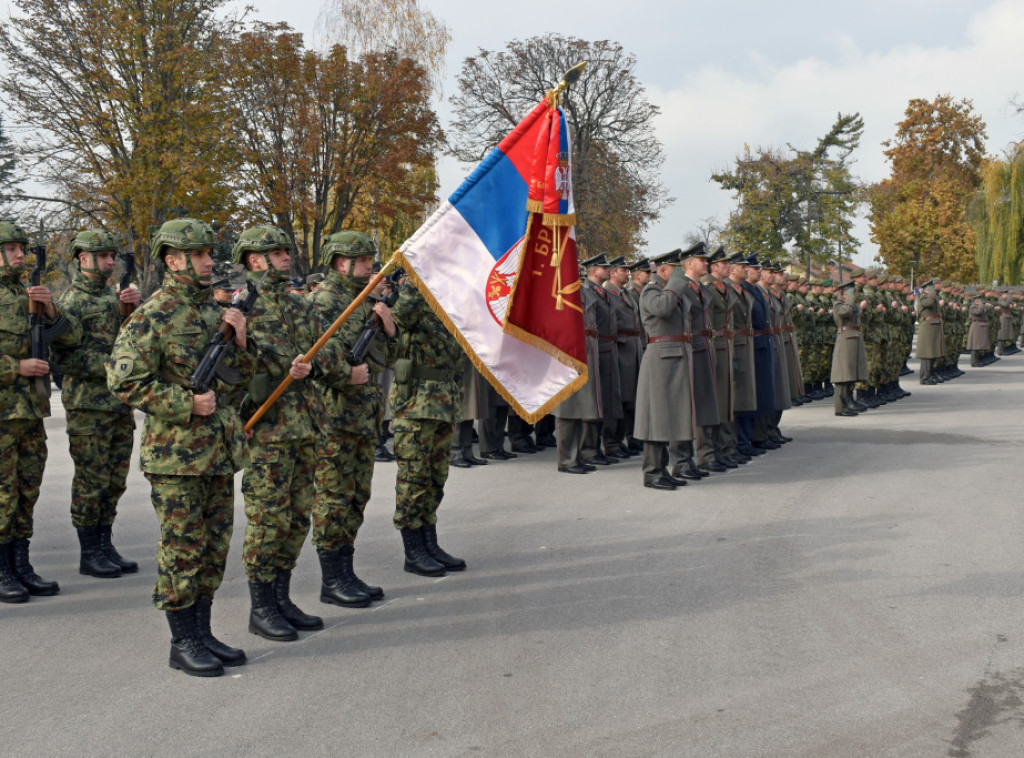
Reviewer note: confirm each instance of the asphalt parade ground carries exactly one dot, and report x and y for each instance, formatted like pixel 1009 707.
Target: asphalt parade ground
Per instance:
pixel 858 592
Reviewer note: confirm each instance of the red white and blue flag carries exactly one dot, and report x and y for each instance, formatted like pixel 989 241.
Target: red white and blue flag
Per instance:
pixel 497 263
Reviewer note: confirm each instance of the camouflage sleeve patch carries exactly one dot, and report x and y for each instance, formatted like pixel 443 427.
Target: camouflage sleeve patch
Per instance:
pixel 122 366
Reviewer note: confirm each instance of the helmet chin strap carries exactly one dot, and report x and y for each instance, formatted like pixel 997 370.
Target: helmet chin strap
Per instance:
pixel 196 280
pixel 94 269
pixel 275 274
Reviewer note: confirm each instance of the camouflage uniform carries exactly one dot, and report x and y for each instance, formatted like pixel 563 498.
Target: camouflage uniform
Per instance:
pixel 426 399
pixel 100 427
pixel 189 460
pixel 355 415
pixel 22 437
pixel 278 484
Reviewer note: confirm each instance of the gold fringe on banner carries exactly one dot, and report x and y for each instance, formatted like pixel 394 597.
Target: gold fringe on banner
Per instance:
pixel 531 417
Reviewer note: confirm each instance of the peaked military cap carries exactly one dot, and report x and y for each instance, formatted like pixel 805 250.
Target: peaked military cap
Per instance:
pixel 753 261
pixel 699 250
pixel 719 256
pixel 666 258
pixel 737 257
pixel 855 272
pixel 827 282
pixel 643 264
pixel 597 260
pixel 619 262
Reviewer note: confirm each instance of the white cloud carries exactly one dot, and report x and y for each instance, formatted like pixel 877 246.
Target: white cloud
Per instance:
pixel 706 120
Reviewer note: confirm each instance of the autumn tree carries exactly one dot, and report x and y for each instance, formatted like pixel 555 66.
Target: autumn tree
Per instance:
pixel 126 109
pixel 996 215
pixel 919 213
pixel 797 198
pixel 616 155
pixel 329 142
pixel 402 27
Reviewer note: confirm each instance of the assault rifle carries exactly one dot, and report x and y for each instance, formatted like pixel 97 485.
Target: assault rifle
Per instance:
pixel 371 327
pixel 126 279
pixel 39 336
pixel 219 347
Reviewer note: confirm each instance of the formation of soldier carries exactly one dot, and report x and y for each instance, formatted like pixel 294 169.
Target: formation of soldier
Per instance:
pixel 693 357
pixel 308 461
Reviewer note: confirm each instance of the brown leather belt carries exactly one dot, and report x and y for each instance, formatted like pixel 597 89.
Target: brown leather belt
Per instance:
pixel 592 332
pixel 724 333
pixel 765 332
pixel 744 332
pixel 706 332
pixel 669 338
pixel 624 333
pixel 787 328
pixel 606 338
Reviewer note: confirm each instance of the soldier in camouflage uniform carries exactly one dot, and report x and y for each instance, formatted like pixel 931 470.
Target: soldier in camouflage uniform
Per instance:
pixel 278 484
pixel 192 443
pixel 101 429
pixel 24 403
pixel 355 412
pixel 426 399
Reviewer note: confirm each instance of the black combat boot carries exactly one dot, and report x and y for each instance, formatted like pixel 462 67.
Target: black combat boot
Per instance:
pixel 107 546
pixel 93 561
pixel 229 656
pixel 11 589
pixel 265 617
pixel 417 559
pixel 27 575
pixel 450 562
pixel 349 574
pixel 188 654
pixel 335 587
pixel 291 612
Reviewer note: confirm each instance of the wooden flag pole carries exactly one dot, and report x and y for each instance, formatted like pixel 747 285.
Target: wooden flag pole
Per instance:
pixel 308 357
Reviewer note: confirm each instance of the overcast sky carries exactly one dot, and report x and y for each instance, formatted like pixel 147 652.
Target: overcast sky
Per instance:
pixel 727 73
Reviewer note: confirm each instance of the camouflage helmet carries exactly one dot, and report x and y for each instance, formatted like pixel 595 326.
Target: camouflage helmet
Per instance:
pixel 93 241
pixel 348 244
pixel 182 234
pixel 11 232
pixel 259 239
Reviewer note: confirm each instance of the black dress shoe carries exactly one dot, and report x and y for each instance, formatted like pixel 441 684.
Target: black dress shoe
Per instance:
pixel 739 458
pixel 460 463
pixel 725 462
pixel 660 484
pixel 618 453
pixel 527 449
pixel 766 445
pixel 573 470
pixel 847 413
pixel 498 455
pixel 588 467
pixel 715 467
pixel 750 452
pixel 548 441
pixel 473 460
pixel 600 460
pixel 678 481
pixel 781 439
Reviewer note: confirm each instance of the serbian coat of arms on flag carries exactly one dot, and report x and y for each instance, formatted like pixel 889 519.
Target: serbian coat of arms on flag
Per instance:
pixel 497 263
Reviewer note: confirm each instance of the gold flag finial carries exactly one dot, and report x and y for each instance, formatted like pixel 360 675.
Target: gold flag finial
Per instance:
pixel 569 78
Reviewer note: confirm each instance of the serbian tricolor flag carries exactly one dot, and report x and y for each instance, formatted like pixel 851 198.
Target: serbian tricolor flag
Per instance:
pixel 497 263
